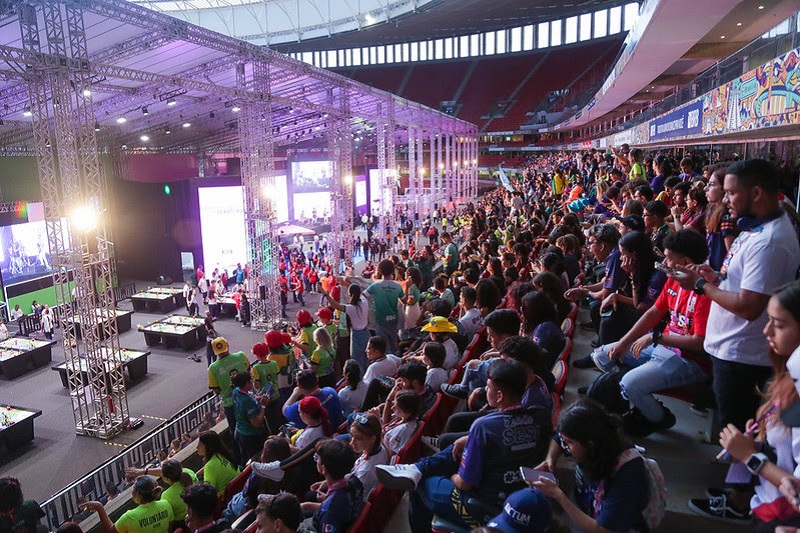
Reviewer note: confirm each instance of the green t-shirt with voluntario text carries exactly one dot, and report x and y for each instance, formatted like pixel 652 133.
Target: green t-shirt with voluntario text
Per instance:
pixel 153 517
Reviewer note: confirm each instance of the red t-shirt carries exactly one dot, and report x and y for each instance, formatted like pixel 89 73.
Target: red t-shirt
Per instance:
pixel 688 315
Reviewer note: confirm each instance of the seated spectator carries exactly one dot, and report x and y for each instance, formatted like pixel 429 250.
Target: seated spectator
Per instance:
pixel 351 395
pixel 538 323
pixel 443 291
pixel 315 420
pixel 489 457
pixel 381 363
pixel 551 286
pixel 397 431
pixel 607 495
pixel 201 500
pixel 279 514
pixel 469 316
pixel 366 440
pixel 500 325
pixel 433 357
pixel 671 357
pixel 16 513
pixel 341 504
pixel 410 377
pixel 176 478
pixel 655 215
pixel 150 515
pixel 218 462
pixel 440 330
pixel 17 313
pixel 307 385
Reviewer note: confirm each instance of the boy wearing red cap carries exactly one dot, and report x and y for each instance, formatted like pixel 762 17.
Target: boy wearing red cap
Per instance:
pixel 280 351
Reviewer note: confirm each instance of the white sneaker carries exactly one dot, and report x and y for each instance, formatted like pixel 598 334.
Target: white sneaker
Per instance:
pixel 402 477
pixel 270 470
pixel 432 443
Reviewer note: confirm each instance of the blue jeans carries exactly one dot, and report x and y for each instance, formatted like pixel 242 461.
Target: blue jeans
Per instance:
pixel 389 332
pixel 475 377
pixel 358 347
pixel 436 494
pixel 657 368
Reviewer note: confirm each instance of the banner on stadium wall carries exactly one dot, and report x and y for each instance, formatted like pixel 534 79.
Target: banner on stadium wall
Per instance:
pixel 680 122
pixel 766 96
pixel 623 137
pixel 504 180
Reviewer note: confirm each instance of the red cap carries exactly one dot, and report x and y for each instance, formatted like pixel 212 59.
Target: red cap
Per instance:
pixel 260 349
pixel 325 313
pixel 276 339
pixel 303 317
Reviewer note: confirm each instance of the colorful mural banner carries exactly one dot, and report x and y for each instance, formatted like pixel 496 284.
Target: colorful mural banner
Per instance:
pixel 764 97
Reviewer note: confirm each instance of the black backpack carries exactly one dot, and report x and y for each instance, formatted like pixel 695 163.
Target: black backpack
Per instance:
pixel 607 391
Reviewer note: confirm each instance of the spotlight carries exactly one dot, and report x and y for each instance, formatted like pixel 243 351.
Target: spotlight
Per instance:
pixel 96 126
pixel 121 120
pixel 187 124
pixel 171 102
pixel 168 130
pixel 236 108
pixel 87 93
pixel 84 218
pixel 124 146
pixel 27 112
pixel 145 112
pixel 144 138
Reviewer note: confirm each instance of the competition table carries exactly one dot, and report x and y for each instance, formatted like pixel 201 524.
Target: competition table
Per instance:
pixel 18 355
pixel 158 300
pixel 123 322
pixel 227 304
pixel 16 427
pixel 184 331
pixel 134 361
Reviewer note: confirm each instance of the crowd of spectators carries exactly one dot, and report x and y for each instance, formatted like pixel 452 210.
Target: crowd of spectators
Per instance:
pixel 688 279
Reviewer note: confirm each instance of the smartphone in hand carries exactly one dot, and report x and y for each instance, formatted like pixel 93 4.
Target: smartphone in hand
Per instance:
pixel 531 475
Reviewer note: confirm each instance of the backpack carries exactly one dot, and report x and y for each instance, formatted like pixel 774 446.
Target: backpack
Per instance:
pixel 606 391
pixel 656 507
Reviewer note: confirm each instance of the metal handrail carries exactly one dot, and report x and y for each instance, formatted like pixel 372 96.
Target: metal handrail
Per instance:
pixel 64 504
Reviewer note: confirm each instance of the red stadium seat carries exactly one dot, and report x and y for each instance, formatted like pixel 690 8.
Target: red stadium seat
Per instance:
pixel 560 373
pixel 566 352
pixel 568 327
pixel 573 311
pixel 413 448
pixel 236 485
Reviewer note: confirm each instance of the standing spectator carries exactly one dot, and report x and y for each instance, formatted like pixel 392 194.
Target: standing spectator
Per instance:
pixel 450 252
pixel 220 373
pixel 250 414
pixel 211 334
pixel 244 310
pixel 386 293
pixel 47 322
pixel 187 290
pixel 764 257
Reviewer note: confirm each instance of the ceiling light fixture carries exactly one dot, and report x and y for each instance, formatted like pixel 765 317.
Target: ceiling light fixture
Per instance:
pixel 738 23
pixel 236 108
pixel 121 120
pixel 167 130
pixel 760 7
pixel 721 36
pixel 96 126
pixel 27 112
pixel 144 138
pixel 87 93
pixel 187 124
pixel 171 102
pixel 144 111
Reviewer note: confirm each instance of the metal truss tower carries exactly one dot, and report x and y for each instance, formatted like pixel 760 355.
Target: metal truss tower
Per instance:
pixel 258 181
pixel 73 192
pixel 340 151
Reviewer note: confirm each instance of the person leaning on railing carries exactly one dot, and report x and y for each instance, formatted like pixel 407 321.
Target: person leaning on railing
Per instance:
pixel 151 515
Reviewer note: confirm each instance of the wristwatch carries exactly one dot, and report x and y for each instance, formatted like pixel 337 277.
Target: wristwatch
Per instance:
pixel 699 286
pixel 756 462
pixel 657 334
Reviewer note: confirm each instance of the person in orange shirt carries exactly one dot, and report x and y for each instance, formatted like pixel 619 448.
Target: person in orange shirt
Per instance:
pixel 325 281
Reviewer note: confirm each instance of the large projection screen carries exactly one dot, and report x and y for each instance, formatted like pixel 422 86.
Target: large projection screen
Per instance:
pixel 222 227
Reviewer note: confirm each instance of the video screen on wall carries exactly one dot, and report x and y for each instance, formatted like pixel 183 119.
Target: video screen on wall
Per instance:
pixel 24 248
pixel 311 176
pixel 222 227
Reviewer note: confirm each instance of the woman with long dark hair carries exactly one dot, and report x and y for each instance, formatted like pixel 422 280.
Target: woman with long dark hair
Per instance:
pixel 720 228
pixel 611 479
pixel 538 323
pixel 218 462
pixel 357 313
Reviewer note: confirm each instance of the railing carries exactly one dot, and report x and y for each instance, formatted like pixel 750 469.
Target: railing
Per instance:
pixel 64 504
pixel 125 291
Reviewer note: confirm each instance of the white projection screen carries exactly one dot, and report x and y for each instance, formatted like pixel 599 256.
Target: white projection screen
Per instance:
pixel 222 227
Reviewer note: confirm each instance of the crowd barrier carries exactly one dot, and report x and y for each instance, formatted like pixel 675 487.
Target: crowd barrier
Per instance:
pixel 64 504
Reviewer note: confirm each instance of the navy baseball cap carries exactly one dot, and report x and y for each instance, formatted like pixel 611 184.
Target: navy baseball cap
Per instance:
pixel 525 511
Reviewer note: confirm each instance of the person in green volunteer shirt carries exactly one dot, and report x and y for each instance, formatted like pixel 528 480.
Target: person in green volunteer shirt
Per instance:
pixel 220 373
pixel 305 340
pixel 218 462
pixel 386 294
pixel 177 480
pixel 250 415
pixel 325 316
pixel 321 360
pixel 450 254
pixel 265 382
pixel 151 515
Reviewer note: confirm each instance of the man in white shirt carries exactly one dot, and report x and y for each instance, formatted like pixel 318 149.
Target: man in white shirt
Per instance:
pixel 470 316
pixel 380 373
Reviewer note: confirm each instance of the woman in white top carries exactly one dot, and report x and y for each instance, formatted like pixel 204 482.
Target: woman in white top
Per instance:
pixel 351 397
pixel 365 438
pixel 399 430
pixel 357 312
